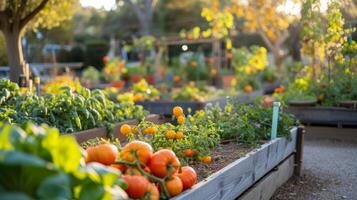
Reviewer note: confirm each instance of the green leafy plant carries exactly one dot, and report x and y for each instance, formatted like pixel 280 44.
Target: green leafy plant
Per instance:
pixel 248 124
pixel 90 75
pixel 190 140
pixel 69 111
pixel 37 163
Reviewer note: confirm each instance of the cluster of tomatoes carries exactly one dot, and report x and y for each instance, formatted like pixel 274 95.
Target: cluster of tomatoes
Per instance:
pixel 148 174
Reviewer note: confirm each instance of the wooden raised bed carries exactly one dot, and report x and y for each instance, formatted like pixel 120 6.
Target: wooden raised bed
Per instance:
pixel 236 178
pixel 165 107
pixel 85 135
pixel 325 115
pixel 269 88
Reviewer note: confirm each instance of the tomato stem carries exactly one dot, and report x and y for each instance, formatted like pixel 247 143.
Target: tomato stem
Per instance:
pixel 161 181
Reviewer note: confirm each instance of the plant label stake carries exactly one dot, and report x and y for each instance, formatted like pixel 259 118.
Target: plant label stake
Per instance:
pixel 274 126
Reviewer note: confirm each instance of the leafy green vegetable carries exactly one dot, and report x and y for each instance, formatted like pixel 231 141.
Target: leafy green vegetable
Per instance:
pixel 37 163
pixel 67 111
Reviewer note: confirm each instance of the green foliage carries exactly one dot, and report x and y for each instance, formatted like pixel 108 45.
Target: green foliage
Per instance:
pixel 91 75
pixel 190 93
pixel 67 111
pixel 37 163
pixel 51 15
pixel 249 65
pixel 248 124
pixel 197 136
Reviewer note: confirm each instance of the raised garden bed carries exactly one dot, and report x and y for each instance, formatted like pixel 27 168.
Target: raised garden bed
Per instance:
pixel 85 135
pixel 165 107
pixel 335 116
pixel 237 177
pixel 269 88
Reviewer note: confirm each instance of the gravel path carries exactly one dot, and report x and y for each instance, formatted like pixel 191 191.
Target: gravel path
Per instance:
pixel 330 172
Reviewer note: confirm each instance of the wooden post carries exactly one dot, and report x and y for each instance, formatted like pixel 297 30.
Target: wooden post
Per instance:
pixel 299 151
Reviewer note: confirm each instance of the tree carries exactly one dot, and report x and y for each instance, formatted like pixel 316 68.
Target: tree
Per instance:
pixel 144 10
pixel 18 16
pixel 265 18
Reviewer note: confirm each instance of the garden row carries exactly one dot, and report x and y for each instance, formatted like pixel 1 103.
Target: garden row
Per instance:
pixel 205 140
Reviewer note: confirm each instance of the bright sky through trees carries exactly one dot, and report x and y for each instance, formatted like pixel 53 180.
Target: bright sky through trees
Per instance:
pixel 290 7
pixel 106 4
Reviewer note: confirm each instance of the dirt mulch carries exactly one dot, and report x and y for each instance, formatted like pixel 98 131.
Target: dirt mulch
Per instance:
pixel 222 156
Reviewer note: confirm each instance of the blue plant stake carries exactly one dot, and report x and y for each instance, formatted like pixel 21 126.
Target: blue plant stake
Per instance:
pixel 274 126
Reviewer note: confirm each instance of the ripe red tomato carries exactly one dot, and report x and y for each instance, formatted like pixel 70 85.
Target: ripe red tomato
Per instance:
pixel 164 162
pixel 103 153
pixel 174 186
pixel 188 177
pixel 136 150
pixel 137 186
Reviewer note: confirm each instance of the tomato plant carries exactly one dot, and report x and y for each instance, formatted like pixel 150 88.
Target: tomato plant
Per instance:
pixel 161 170
pixel 248 124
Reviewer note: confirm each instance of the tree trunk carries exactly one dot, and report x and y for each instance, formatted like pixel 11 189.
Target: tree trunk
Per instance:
pixel 15 55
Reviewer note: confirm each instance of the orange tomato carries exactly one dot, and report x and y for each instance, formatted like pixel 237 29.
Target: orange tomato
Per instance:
pixel 179 135
pixel 164 162
pixel 188 177
pixel 188 153
pixel 177 111
pixel 181 119
pixel 136 150
pixel 105 154
pixel 280 89
pixel 152 193
pixel 125 129
pixel 137 186
pixel 138 97
pixel 150 130
pixel 170 134
pixel 174 186
pixel 206 159
pixel 248 89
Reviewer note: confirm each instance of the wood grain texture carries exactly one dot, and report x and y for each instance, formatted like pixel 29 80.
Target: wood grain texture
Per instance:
pixel 325 115
pixel 85 135
pixel 266 187
pixel 234 179
pixel 165 107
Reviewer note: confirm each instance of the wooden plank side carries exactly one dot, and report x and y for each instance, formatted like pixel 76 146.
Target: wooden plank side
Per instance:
pixel 85 135
pixel 325 115
pixel 234 179
pixel 265 188
pixel 224 184
pixel 260 162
